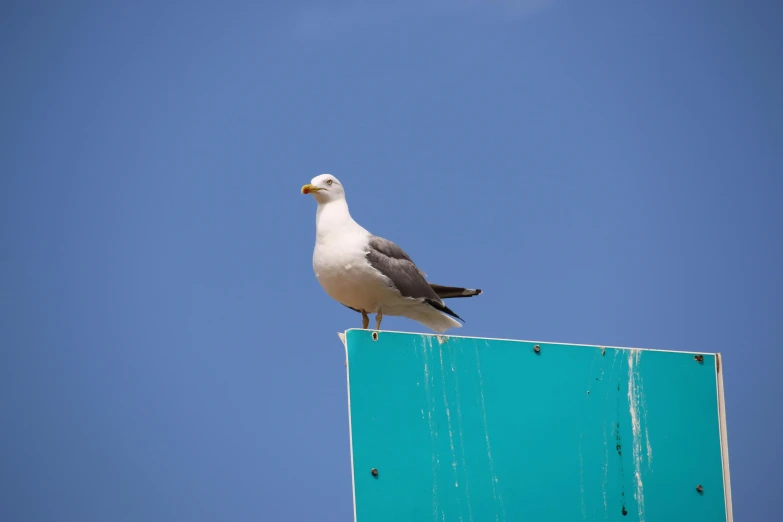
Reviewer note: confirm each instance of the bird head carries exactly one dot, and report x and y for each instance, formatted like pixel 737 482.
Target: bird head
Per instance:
pixel 324 188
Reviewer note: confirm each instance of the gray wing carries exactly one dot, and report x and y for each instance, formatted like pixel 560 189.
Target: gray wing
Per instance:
pixel 447 292
pixel 392 261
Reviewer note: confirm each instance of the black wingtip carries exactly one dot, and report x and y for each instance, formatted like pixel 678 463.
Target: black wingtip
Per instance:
pixel 443 308
pixel 450 292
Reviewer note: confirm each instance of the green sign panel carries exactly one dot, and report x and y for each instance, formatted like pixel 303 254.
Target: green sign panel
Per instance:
pixel 448 428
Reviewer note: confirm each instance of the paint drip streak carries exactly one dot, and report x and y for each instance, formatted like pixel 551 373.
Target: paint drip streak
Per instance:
pixel 635 404
pixel 433 431
pixel 462 444
pixel 495 489
pixel 448 422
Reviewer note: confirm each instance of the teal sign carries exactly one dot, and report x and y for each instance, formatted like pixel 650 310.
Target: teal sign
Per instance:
pixel 448 428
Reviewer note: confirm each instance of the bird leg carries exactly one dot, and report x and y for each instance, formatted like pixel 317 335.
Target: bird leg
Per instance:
pixel 365 320
pixel 378 318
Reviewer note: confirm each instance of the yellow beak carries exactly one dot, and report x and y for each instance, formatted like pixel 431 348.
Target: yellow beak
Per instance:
pixel 306 189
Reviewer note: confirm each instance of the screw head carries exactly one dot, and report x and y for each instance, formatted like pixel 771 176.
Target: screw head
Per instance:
pixel 699 489
pixel 374 472
pixel 537 349
pixel 375 336
pixel 699 358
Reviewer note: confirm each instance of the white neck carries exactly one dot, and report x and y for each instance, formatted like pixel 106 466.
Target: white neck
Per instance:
pixel 333 217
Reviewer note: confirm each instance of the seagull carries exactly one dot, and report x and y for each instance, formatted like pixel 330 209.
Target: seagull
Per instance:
pixel 370 274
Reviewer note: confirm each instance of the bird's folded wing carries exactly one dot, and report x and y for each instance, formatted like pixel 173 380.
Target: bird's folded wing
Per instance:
pixel 392 261
pixel 447 292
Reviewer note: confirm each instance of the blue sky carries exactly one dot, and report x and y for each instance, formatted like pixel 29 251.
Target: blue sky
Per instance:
pixel 609 173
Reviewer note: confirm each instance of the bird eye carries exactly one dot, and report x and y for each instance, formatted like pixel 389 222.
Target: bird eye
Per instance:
pixel 329 181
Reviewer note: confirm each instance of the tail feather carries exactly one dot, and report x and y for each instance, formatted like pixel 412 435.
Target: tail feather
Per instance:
pixel 448 292
pixel 431 317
